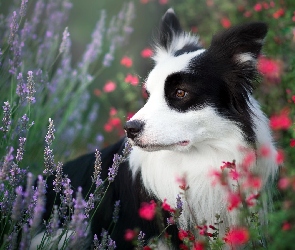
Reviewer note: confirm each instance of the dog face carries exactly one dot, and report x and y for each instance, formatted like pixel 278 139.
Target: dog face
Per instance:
pixel 198 96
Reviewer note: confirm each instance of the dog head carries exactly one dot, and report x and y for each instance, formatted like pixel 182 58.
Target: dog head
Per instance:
pixel 198 96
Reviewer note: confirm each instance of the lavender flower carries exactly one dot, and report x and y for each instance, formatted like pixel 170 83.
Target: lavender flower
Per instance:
pixel 89 205
pixel 179 205
pixel 4 170
pixel 106 242
pixel 16 175
pixel 97 167
pixel 78 222
pixel 116 211
pixel 57 183
pixel 65 41
pixel 39 8
pixel 66 198
pixel 94 48
pixel 117 160
pixel 21 89
pixel 95 242
pixel 25 240
pixel 140 240
pixel 23 8
pixel 13 28
pixel 29 193
pixel 48 155
pixel 39 208
pixel 20 151
pixel 18 204
pixel 12 239
pixel 31 87
pixel 53 224
pixel 6 120
pixel 50 133
pixel 16 49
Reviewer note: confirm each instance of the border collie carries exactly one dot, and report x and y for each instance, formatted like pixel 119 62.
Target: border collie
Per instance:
pixel 200 113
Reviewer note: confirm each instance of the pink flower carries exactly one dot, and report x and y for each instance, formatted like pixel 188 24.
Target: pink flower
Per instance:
pixel 280 121
pixel 264 151
pixel 167 207
pixel 286 226
pixel 147 211
pixel 237 236
pixel 279 13
pixel 132 79
pixel 147 52
pixel 108 127
pixel 283 183
pixel 163 2
pixel 113 111
pixel 129 235
pixel 126 61
pixel 280 157
pixel 97 92
pixel 270 68
pixel 198 245
pixel 234 200
pixel 250 199
pixel 225 22
pixel 109 87
pixel 292 142
pixel 258 7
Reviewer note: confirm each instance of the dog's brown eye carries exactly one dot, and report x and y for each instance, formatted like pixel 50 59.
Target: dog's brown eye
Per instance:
pixel 180 93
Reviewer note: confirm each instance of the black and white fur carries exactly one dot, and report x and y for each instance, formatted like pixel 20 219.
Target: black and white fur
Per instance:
pixel 200 112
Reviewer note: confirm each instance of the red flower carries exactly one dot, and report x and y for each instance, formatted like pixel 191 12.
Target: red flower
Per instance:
pixel 109 87
pixel 198 245
pixel 253 182
pixel 97 92
pixel 270 68
pixel 147 211
pixel 249 159
pixel 113 111
pixel 279 13
pixel 233 173
pixel 292 142
pixel 182 235
pixel 129 235
pixel 264 151
pixel 280 157
pixel 225 22
pixel 133 80
pixel 258 7
pixel 286 226
pixel 147 52
pixel 250 199
pixel 163 2
pixel 234 200
pixel 283 183
pixel 147 248
pixel 108 127
pixel 126 61
pixel 183 247
pixel 167 207
pixel 280 121
pixel 129 115
pixel 237 236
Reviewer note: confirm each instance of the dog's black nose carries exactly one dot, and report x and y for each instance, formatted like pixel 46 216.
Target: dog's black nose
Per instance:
pixel 133 128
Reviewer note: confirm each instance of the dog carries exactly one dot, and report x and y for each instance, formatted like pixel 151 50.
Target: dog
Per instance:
pixel 200 112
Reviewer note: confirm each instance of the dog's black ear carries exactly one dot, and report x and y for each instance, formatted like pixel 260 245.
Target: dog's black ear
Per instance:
pixel 241 43
pixel 169 28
